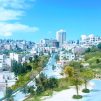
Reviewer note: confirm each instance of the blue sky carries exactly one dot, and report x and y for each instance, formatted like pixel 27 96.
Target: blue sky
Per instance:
pixel 38 19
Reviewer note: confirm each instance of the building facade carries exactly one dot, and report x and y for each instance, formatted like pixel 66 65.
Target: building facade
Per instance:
pixel 61 36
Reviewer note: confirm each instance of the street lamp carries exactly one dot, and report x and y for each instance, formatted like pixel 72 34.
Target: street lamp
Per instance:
pixel 6 87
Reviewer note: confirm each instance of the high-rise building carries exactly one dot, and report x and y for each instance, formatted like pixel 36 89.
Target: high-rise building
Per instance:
pixel 61 36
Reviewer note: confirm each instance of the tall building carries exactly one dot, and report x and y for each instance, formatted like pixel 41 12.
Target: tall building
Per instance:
pixel 61 36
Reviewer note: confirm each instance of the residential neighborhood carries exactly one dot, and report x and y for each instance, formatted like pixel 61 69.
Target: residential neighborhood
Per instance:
pixel 21 51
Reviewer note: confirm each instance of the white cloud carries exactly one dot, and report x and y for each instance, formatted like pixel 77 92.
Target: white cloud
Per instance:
pixel 13 9
pixel 6 15
pixel 6 34
pixel 15 4
pixel 9 29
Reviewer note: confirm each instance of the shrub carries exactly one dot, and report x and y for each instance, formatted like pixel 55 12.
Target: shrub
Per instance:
pixel 39 90
pixel 86 90
pixel 77 96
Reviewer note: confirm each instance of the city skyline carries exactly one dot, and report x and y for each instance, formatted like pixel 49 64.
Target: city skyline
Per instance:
pixel 38 19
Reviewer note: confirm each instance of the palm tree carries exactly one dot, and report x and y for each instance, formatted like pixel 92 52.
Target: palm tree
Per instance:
pixel 74 75
pixel 87 75
pixel 77 81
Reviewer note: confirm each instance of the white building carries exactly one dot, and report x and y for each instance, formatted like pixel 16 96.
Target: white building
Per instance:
pixel 34 50
pixel 7 46
pixel 8 63
pixel 15 56
pixel 67 56
pixel 90 40
pixel 9 76
pixel 45 42
pixel 2 65
pixel 61 36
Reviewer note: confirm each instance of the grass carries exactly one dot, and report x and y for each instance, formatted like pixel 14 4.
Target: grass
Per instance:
pixel 23 80
pixel 93 54
pixel 38 97
pixel 62 85
pixel 47 93
pixel 92 58
pixel 33 98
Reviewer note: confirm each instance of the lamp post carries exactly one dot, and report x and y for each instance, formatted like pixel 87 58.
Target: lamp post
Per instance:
pixel 6 88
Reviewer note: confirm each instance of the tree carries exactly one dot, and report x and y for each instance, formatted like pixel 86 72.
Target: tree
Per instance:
pixel 36 62
pixel 53 67
pixel 43 83
pixel 57 57
pixel 30 59
pixel 76 79
pixel 97 61
pixel 93 49
pixel 9 92
pixel 36 58
pixel 88 50
pixel 28 68
pixel 25 89
pixel 99 46
pixel 39 89
pixel 69 71
pixel 74 75
pixel 31 90
pixel 52 83
pixel 19 68
pixel 42 77
pixel 87 75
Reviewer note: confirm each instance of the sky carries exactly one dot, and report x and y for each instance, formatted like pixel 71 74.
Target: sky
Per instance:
pixel 38 19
